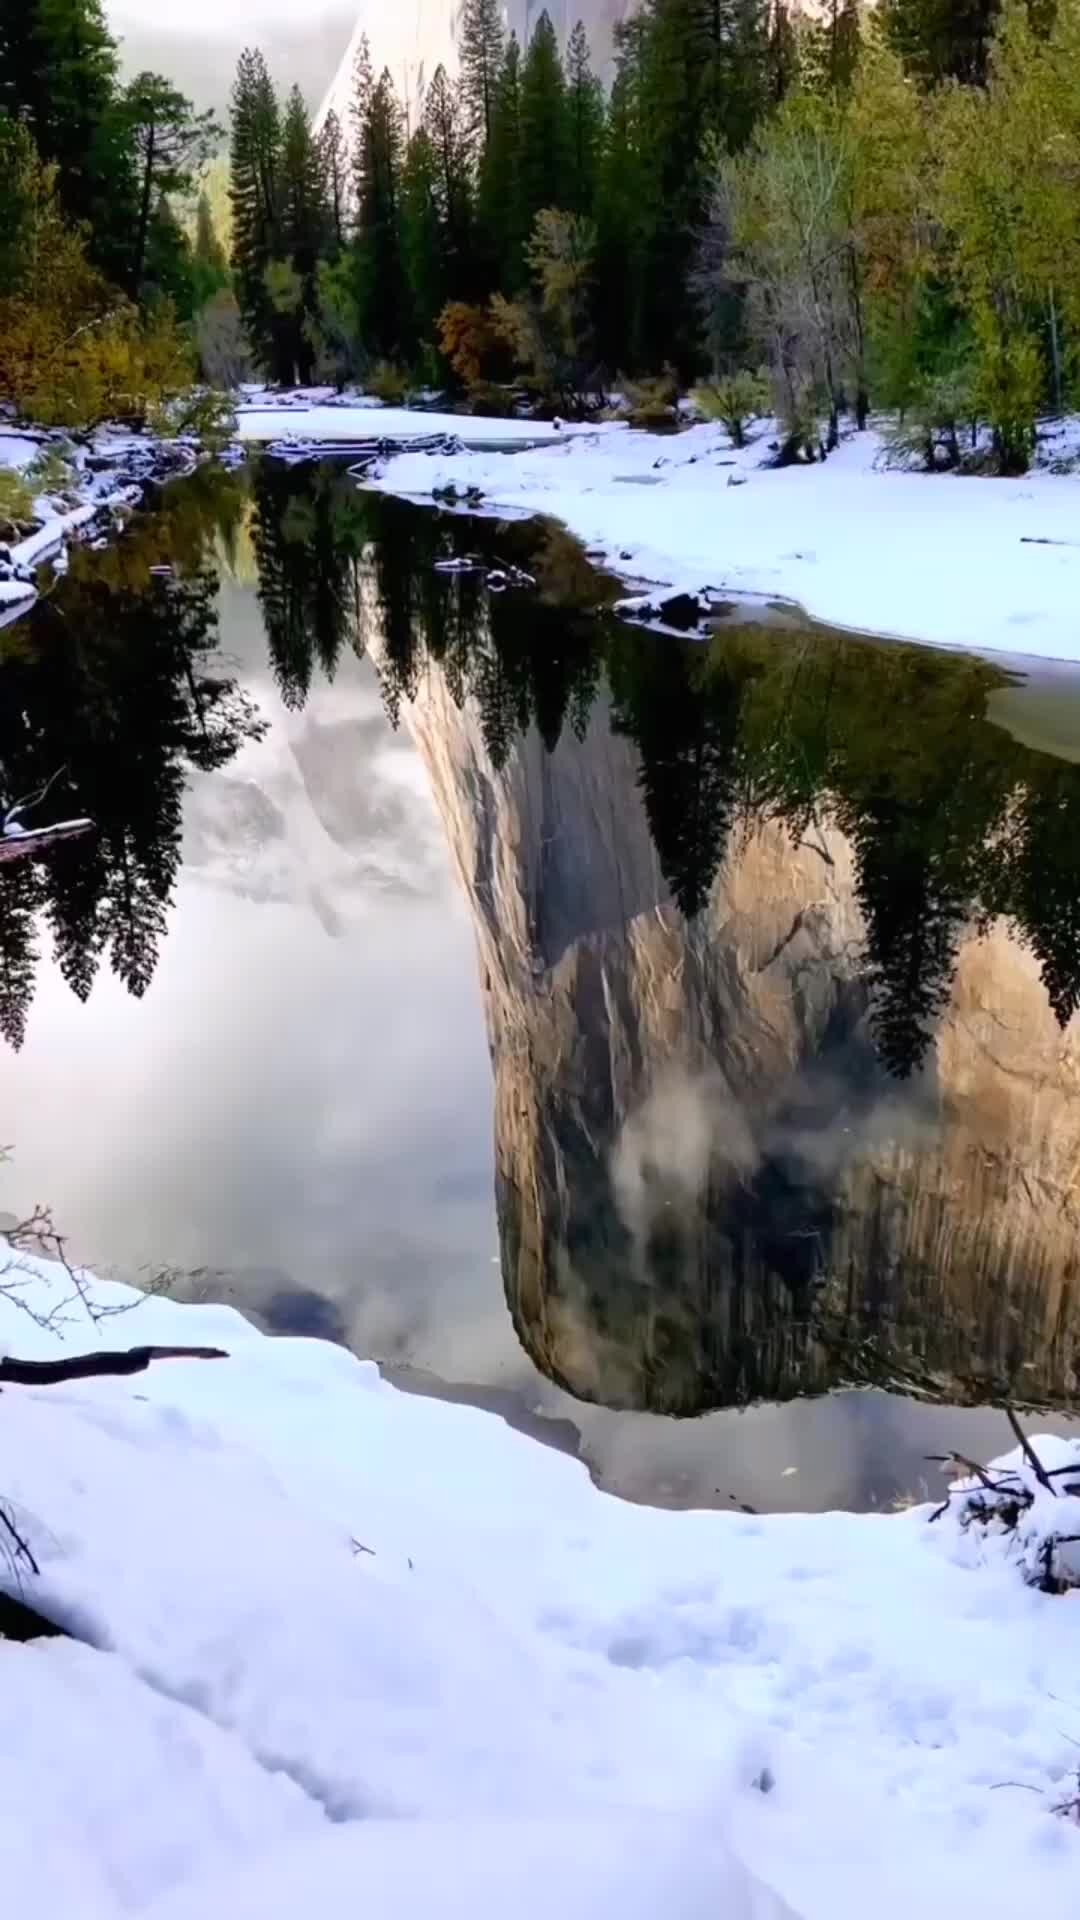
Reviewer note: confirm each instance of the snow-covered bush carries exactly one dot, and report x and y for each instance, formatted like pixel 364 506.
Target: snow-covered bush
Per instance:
pixel 1031 1499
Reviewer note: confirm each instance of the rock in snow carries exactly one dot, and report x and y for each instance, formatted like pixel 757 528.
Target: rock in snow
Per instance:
pixel 341 1649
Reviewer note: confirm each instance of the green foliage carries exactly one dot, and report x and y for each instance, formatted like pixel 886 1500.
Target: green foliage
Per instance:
pixel 222 343
pixel 389 383
pixel 58 72
pixel 16 505
pixel 931 431
pixel 50 473
pixel 652 401
pixel 734 400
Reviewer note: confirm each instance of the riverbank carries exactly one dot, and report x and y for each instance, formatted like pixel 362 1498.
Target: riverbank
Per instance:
pixel 987 564
pixel 94 488
pixel 332 1637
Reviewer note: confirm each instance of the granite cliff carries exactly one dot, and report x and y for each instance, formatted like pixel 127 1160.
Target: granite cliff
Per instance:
pixel 709 1190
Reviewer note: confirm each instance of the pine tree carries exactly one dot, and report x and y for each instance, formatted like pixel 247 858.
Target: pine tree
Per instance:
pixel 254 193
pixel 171 144
pixel 334 166
pixel 423 235
pixel 585 120
pixel 480 51
pixel 363 86
pixel 499 198
pixel 620 201
pixel 383 297
pixel 303 224
pixel 444 125
pixel 544 129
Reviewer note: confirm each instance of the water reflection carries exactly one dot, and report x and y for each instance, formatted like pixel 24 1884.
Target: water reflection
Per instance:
pixel 777 949
pixel 112 693
pixel 780 959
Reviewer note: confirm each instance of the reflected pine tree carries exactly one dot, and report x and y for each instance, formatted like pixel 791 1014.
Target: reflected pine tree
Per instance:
pixel 20 899
pixel 683 710
pixel 113 694
pixel 310 533
pixel 521 658
pixel 1042 890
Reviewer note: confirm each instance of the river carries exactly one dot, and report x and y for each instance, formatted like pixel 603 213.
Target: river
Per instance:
pixel 668 1044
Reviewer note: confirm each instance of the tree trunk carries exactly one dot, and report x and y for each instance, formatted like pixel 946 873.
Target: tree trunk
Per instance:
pixel 1055 352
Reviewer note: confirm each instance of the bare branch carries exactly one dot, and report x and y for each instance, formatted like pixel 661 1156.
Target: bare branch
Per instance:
pixel 1028 1452
pixel 21 1549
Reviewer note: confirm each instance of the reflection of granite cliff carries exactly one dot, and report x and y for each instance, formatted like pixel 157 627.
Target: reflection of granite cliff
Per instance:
pixel 708 1190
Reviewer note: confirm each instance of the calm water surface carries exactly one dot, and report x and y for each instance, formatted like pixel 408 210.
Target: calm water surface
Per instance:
pixel 668 1045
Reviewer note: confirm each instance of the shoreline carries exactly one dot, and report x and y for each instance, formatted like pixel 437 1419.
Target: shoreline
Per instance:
pixel 988 565
pixel 110 479
pixel 401 1612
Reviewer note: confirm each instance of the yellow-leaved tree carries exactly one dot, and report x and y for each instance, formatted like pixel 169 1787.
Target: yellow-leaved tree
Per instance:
pixel 73 351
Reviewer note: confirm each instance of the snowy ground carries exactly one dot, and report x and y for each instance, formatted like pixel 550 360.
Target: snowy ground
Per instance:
pixel 990 564
pixel 346 1650
pixel 91 501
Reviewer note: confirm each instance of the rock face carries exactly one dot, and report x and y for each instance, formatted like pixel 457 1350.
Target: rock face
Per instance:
pixel 413 37
pixel 708 1189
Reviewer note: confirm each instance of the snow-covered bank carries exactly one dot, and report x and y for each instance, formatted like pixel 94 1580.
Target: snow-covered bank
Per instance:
pixel 356 420
pixel 344 1645
pixel 105 481
pixel 989 564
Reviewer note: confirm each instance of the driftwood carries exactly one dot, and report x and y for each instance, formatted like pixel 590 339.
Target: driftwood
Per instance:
pixel 29 844
pixel 88 1366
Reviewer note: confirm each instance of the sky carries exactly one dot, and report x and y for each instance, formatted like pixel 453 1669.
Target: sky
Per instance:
pixel 197 44
pixel 215 16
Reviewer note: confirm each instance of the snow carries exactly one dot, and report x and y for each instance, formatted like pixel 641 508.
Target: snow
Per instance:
pixel 60 520
pixel 340 1644
pixel 992 565
pixel 275 416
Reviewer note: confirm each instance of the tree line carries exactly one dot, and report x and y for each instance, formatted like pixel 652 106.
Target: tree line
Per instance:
pixel 99 279
pixel 813 215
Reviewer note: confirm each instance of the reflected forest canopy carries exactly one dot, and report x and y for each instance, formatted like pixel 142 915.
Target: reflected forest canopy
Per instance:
pixel 115 676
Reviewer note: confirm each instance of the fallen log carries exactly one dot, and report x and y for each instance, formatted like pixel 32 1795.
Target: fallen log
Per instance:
pixel 89 1366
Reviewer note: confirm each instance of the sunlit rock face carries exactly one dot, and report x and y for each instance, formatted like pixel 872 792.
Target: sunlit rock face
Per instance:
pixel 412 38
pixel 709 1188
